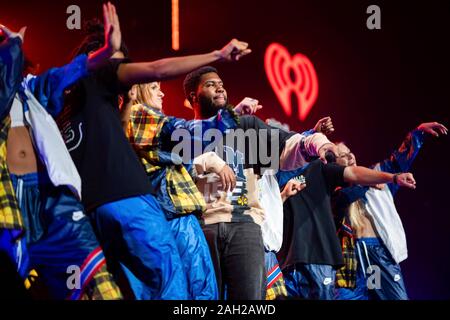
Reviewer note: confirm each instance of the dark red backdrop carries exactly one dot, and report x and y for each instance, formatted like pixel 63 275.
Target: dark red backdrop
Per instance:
pixel 376 85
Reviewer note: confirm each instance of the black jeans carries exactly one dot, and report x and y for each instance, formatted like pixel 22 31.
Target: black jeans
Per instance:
pixel 237 251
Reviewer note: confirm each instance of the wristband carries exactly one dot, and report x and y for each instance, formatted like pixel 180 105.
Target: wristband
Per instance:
pixel 394 179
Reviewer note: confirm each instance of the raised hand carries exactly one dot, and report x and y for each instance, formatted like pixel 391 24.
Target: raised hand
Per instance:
pixel 325 126
pixel 113 35
pixel 248 106
pixel 113 38
pixel 234 50
pixel 433 128
pixel 11 34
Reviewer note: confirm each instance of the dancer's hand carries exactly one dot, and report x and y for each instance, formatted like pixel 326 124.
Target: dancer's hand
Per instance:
pixel 433 128
pixel 227 178
pixel 11 34
pixel 234 50
pixel 113 39
pixel 113 35
pixel 325 148
pixel 247 106
pixel 292 188
pixel 325 126
pixel 405 180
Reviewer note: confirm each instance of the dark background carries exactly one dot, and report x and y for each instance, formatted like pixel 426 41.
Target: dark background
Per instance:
pixel 376 84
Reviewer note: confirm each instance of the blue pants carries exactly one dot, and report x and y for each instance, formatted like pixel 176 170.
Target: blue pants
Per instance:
pixel 359 292
pixel 134 232
pixel 60 243
pixel 12 271
pixel 15 251
pixel 310 281
pixel 194 253
pixel 373 252
pixel 379 277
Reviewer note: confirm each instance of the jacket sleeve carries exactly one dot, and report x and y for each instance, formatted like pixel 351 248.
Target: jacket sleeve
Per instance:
pixel 48 88
pixel 11 66
pixel 283 176
pixel 194 130
pixel 300 149
pixel 402 158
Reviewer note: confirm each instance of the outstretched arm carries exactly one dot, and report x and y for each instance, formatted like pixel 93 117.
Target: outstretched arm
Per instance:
pixel 402 158
pixel 143 72
pixel 300 149
pixel 368 177
pixel 325 126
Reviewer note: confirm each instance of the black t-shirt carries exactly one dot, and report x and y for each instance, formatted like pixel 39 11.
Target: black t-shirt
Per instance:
pixel 92 130
pixel 309 232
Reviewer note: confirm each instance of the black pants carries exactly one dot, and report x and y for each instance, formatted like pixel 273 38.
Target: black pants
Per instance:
pixel 237 251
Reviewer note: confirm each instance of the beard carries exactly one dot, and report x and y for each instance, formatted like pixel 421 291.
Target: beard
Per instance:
pixel 208 108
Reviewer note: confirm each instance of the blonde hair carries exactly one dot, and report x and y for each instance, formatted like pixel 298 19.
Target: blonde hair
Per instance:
pixel 143 93
pixel 355 213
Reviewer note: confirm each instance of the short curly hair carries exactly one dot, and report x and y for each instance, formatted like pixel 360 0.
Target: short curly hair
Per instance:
pixel 192 80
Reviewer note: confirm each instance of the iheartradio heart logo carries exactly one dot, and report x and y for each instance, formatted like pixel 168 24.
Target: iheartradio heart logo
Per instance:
pixel 291 76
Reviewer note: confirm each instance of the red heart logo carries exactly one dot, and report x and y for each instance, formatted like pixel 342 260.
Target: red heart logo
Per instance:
pixel 289 75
